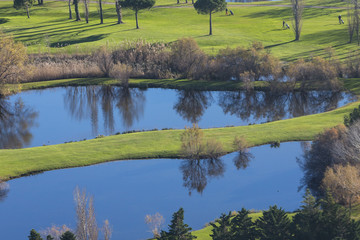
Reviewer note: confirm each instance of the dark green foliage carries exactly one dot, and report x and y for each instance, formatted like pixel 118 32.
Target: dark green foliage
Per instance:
pixel 177 229
pixel 136 6
pixel 34 235
pixel 25 4
pixel 306 222
pixel 274 224
pixel 221 228
pixel 209 6
pixel 335 222
pixel 68 236
pixel 352 117
pixel 49 237
pixel 242 227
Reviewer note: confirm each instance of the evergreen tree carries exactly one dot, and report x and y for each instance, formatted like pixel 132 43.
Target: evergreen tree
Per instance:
pixel 68 236
pixel 209 7
pixel 177 229
pixel 242 227
pixel 221 228
pixel 136 6
pixel 335 221
pixel 25 4
pixel 274 224
pixel 306 223
pixel 34 235
pixel 49 237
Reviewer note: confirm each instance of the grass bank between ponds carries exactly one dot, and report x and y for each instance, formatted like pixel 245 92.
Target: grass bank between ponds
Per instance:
pixel 158 144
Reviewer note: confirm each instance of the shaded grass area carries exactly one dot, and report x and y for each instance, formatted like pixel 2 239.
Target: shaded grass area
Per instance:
pixel 49 30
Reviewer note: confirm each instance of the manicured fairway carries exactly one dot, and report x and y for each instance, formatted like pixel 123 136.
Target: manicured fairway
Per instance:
pixel 50 30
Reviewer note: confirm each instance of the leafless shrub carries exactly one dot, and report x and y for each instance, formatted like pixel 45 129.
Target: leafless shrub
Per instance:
pixel 55 231
pixel 192 142
pixel 243 156
pixel 318 71
pixel 81 213
pixel 186 58
pixel 213 149
pixel 104 60
pixel 146 59
pixel 155 222
pixel 121 72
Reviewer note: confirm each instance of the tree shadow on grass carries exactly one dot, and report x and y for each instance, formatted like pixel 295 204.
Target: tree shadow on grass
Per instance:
pixel 278 44
pixel 92 38
pixel 3 20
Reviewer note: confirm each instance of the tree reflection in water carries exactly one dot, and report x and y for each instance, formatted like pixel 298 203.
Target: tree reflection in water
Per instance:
pixel 192 104
pixel 84 103
pixel 242 159
pixel 270 106
pixel 197 171
pixel 4 190
pixel 15 124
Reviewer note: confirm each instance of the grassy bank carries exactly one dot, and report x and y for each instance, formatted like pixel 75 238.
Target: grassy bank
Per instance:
pixel 50 30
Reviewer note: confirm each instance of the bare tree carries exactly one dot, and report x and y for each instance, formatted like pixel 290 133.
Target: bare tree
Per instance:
pixel 55 231
pixel 353 19
pixel 86 9
pixel 92 228
pixel 155 222
pixel 107 230
pixel 297 8
pixel 81 218
pixel 118 12
pixel 344 183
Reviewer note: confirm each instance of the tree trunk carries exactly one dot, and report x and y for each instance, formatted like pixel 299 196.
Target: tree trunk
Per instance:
pixel 210 25
pixel 101 12
pixel 77 13
pixel 118 12
pixel 86 11
pixel 27 11
pixel 70 14
pixel 136 17
pixel 186 1
pixel 192 1
pixel 178 1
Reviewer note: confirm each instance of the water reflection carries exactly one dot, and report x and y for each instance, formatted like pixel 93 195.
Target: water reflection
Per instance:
pixel 84 102
pixel 191 104
pixel 242 159
pixel 4 190
pixel 271 107
pixel 197 171
pixel 15 123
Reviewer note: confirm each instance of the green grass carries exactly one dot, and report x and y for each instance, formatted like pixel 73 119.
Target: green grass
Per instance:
pixel 49 30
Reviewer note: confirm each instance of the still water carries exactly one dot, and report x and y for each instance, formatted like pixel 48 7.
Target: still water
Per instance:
pixel 125 191
pixel 58 115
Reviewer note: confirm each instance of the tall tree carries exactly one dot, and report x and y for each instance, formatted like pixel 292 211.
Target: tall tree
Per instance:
pixel 209 7
pixel 68 236
pixel 221 228
pixel 34 235
pixel 297 9
pixel 86 10
pixel 242 226
pixel 353 19
pixel 274 224
pixel 77 12
pixel 136 6
pixel 101 12
pixel 118 12
pixel 177 229
pixel 25 4
pixel 70 13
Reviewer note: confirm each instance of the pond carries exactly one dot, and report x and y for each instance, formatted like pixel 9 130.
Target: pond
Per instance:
pixel 58 115
pixel 125 191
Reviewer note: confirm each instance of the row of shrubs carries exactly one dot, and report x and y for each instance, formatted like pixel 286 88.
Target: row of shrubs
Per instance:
pixel 184 59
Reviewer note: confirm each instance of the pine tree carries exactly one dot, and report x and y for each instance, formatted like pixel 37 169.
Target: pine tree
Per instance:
pixel 34 235
pixel 68 236
pixel 274 224
pixel 49 237
pixel 242 226
pixel 221 229
pixel 177 229
pixel 306 222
